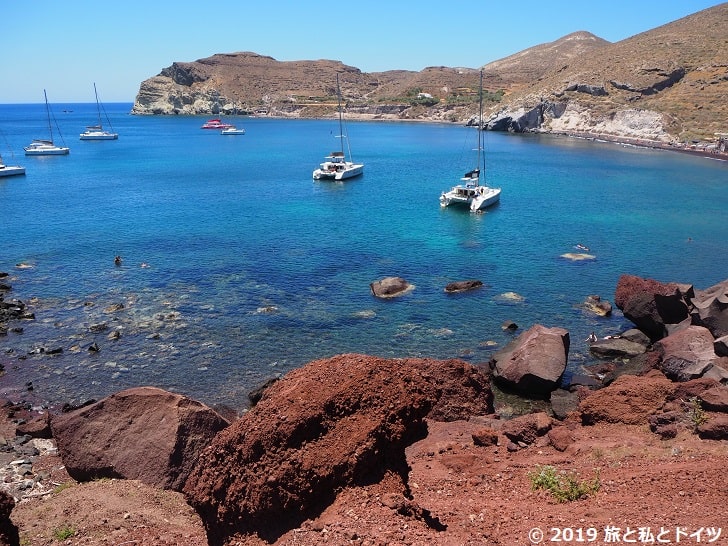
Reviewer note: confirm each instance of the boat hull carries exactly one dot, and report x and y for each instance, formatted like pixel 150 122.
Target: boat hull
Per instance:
pixel 232 132
pixel 11 170
pixel 99 136
pixel 474 198
pixel 47 151
pixel 488 197
pixel 349 171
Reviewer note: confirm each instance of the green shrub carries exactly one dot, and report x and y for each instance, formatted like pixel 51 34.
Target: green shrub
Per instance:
pixel 564 486
pixel 696 412
pixel 64 532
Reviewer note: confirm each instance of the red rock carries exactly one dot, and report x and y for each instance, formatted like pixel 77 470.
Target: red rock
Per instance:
pixel 561 438
pixel 651 304
pixel 715 399
pixel 485 437
pixel 534 362
pixel 332 423
pixel 687 354
pixel 527 428
pixel 144 434
pixel 629 400
pixel 715 427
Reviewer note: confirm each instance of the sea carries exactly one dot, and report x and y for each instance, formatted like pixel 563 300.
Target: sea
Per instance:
pixel 238 267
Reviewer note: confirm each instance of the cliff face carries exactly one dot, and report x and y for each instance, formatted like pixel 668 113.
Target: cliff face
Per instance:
pixel 665 84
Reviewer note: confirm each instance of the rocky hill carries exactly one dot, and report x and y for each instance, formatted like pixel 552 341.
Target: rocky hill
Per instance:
pixel 666 84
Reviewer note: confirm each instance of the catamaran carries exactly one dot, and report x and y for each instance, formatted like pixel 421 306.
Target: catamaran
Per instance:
pixel 470 193
pixel 336 166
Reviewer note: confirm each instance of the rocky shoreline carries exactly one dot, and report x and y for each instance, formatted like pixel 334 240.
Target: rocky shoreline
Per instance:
pixel 360 423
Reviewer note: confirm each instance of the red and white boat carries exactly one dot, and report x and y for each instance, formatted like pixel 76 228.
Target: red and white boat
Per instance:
pixel 216 123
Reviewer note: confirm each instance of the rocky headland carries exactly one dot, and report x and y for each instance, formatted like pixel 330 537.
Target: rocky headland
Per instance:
pixel 662 88
pixel 357 449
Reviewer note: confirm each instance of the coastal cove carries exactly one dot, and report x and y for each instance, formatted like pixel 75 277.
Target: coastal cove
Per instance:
pixel 237 266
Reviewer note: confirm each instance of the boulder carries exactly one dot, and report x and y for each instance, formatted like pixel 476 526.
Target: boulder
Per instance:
pixel 561 438
pixel 390 287
pixel 711 309
pixel 598 306
pixel 715 427
pixel 526 428
pixel 687 354
pixel 509 326
pixel 629 400
pixel 485 437
pixel 463 286
pixel 718 371
pixel 144 434
pixel 651 304
pixel 534 362
pixel 616 348
pixel 715 399
pixel 333 423
pixel 36 427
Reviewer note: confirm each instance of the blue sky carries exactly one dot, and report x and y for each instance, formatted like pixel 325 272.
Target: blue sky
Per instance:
pixel 66 46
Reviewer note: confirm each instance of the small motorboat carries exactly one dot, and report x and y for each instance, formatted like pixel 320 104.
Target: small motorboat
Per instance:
pixel 216 123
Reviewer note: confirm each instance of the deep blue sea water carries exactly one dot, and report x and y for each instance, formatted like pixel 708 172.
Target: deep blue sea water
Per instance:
pixel 255 269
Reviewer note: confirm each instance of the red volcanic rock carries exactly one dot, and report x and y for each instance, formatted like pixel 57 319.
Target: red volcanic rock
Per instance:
pixel 144 434
pixel 711 309
pixel 333 423
pixel 687 354
pixel 561 438
pixel 526 428
pixel 715 399
pixel 715 427
pixel 534 362
pixel 485 437
pixel 651 304
pixel 629 400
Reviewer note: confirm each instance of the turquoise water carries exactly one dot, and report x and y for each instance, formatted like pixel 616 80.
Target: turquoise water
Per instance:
pixel 255 269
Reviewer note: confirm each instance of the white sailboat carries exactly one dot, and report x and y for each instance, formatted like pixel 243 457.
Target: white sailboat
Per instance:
pixel 10 170
pixel 470 193
pixel 46 147
pixel 97 132
pixel 336 166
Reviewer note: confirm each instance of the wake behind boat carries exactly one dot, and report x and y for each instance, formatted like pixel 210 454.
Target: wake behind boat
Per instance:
pixel 336 166
pixel 471 193
pixel 46 147
pixel 97 132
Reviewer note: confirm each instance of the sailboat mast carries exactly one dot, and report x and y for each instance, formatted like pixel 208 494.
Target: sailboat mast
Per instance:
pixel 48 114
pixel 98 108
pixel 341 122
pixel 480 126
